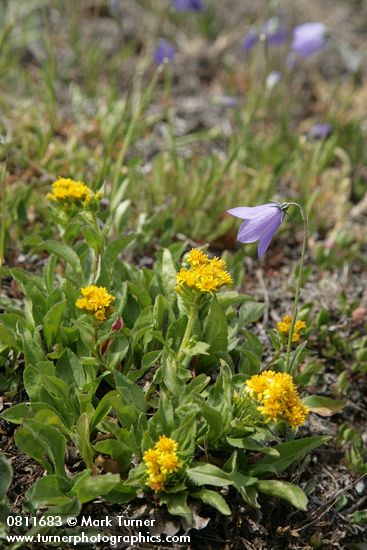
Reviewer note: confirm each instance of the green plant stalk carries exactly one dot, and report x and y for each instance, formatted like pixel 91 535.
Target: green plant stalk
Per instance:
pixel 136 116
pixel 96 253
pixel 193 313
pixel 169 112
pixel 298 283
pixel 3 210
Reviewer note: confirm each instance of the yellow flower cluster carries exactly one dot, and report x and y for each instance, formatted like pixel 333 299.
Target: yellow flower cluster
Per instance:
pixel 66 190
pixel 96 300
pixel 278 397
pixel 204 274
pixel 284 327
pixel 161 461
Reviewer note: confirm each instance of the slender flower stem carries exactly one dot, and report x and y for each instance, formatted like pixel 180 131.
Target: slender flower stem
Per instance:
pixel 188 331
pixel 3 213
pixel 298 284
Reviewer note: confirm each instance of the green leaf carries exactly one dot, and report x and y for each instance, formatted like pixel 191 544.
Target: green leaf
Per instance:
pixel 208 474
pixel 168 275
pixel 213 499
pixel 324 406
pixel 70 507
pixel 32 347
pixel 162 313
pixel 81 439
pixel 34 377
pixel 231 298
pixel 6 476
pixel 65 253
pixel 130 393
pixel 52 322
pixel 117 247
pixel 87 489
pixel 36 439
pixel 93 238
pixel 251 445
pixel 115 450
pixel 70 370
pixel 103 408
pixel 216 328
pixel 185 434
pixel 177 504
pixel 49 490
pixel 121 494
pixel 49 272
pixel 214 423
pixel 17 414
pixel 141 294
pixel 163 420
pixel 117 351
pixel 8 337
pixel 286 491
pixel 289 452
pixel 251 312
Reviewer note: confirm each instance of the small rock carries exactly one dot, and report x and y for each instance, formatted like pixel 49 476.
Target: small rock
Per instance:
pixel 359 314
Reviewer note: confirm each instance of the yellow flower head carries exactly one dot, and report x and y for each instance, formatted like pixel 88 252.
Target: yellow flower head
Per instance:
pixel 166 445
pixel 197 257
pixel 204 274
pixel 284 327
pixel 161 461
pixel 278 397
pixel 156 482
pixel 169 463
pixel 96 300
pixel 67 191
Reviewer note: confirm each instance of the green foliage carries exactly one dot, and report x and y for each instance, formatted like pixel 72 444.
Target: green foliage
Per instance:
pixel 159 364
pixel 107 394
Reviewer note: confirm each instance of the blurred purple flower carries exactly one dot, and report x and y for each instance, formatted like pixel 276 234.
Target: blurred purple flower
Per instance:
pixel 249 42
pixel 164 51
pixel 308 38
pixel 261 222
pixel 321 130
pixel 188 5
pixel 275 32
pixel 227 101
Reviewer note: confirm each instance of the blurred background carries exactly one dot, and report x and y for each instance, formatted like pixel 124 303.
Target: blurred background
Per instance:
pixel 181 109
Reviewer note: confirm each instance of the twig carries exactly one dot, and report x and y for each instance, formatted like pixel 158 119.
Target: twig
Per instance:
pixel 329 504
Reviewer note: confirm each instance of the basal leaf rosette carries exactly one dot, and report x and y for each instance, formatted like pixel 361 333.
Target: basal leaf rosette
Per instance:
pixel 161 462
pixel 204 276
pixel 277 397
pixel 97 301
pixel 70 194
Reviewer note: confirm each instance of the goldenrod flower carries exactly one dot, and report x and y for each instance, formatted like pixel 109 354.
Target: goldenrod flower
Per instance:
pixel 95 300
pixel 161 461
pixel 197 257
pixel 204 275
pixel 166 445
pixel 68 191
pixel 169 463
pixel 278 397
pixel 284 327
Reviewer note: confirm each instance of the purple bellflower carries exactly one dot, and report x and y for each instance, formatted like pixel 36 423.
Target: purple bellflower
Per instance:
pixel 275 32
pixel 249 42
pixel 272 31
pixel 321 130
pixel 188 5
pixel 261 222
pixel 164 52
pixel 308 38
